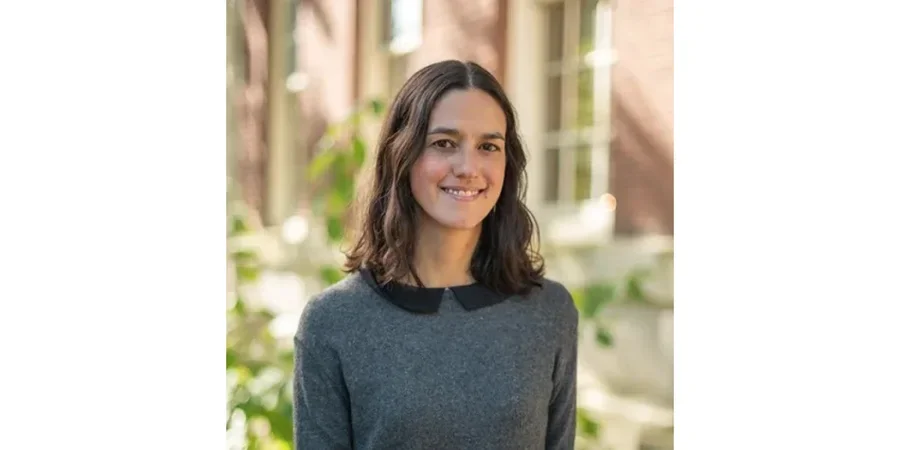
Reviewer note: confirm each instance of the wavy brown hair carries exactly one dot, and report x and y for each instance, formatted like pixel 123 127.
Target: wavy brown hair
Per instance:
pixel 505 258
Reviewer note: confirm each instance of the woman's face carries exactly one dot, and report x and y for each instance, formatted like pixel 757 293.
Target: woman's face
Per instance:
pixel 458 177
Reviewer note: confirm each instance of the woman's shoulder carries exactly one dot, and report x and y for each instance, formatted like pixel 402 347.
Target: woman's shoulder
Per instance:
pixel 335 307
pixel 554 296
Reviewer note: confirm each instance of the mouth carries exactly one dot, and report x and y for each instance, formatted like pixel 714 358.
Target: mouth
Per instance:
pixel 463 194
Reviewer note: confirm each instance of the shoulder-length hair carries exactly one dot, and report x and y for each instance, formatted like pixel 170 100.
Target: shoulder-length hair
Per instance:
pixel 505 258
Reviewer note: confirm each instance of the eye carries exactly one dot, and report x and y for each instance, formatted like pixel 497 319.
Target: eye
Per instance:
pixel 443 143
pixel 490 147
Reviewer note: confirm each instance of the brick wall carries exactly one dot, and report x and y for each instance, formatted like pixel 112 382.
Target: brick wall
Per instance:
pixel 463 29
pixel 326 54
pixel 642 178
pixel 329 49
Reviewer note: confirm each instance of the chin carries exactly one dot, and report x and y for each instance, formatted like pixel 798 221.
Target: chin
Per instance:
pixel 460 223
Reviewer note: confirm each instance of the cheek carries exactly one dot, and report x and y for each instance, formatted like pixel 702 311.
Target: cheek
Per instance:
pixel 496 172
pixel 431 169
pixel 426 173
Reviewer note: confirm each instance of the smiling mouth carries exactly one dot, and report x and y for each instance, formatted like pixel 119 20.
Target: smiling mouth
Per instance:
pixel 463 194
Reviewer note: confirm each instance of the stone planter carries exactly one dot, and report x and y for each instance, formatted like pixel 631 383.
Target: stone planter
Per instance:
pixel 629 386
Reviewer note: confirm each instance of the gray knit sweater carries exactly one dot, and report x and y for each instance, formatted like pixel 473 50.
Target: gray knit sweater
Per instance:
pixel 431 369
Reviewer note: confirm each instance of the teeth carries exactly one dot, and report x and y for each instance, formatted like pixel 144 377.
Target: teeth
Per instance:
pixel 462 193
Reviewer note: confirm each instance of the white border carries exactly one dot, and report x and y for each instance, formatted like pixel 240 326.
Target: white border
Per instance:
pixel 112 233
pixel 786 226
pixel 113 191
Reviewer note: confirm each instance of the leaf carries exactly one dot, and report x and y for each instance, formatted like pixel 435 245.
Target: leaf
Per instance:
pixel 345 186
pixel 598 296
pixel 635 289
pixel 330 275
pixel 240 306
pixel 332 132
pixel 247 274
pixel 586 425
pixel 352 121
pixel 377 106
pixel 244 257
pixel 335 229
pixel 359 151
pixel 590 305
pixel 265 315
pixel 281 424
pixel 604 337
pixel 340 164
pixel 238 225
pixel 277 444
pixel 335 203
pixel 321 163
pixel 243 375
pixel 578 299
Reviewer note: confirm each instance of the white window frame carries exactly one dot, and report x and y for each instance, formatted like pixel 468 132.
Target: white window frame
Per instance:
pixel 409 29
pixel 397 48
pixel 378 52
pixel 589 222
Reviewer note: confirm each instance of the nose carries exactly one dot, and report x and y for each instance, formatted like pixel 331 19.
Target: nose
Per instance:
pixel 466 162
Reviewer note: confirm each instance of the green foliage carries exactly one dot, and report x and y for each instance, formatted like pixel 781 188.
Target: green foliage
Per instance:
pixel 257 366
pixel 591 301
pixel 334 171
pixel 330 275
pixel 595 297
pixel 586 426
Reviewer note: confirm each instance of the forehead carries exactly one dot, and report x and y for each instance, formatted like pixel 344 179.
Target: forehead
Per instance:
pixel 470 109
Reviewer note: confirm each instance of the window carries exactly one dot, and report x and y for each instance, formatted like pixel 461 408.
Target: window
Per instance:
pixel 577 105
pixel 402 35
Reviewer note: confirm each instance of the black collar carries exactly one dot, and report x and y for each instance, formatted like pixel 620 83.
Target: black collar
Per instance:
pixel 428 300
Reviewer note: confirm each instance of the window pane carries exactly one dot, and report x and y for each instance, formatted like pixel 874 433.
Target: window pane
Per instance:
pixel 583 170
pixel 555 32
pixel 551 175
pixel 405 22
pixel 585 98
pixel 554 103
pixel 588 26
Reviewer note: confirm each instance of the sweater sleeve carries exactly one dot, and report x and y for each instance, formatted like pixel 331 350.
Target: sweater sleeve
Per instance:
pixel 321 400
pixel 561 424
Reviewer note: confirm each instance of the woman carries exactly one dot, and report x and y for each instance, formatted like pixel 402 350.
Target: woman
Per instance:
pixel 444 335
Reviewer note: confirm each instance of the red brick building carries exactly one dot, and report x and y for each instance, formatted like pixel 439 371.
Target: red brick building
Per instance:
pixel 591 80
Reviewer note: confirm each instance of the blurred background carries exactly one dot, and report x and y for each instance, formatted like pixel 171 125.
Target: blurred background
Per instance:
pixel 308 83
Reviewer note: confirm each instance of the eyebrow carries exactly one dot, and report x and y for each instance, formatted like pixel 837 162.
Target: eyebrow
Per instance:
pixel 455 132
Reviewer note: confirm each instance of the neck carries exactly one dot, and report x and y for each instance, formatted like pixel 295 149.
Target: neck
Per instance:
pixel 443 256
